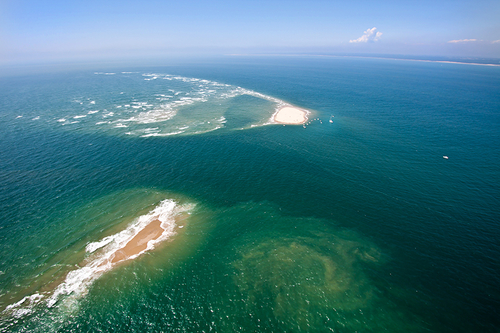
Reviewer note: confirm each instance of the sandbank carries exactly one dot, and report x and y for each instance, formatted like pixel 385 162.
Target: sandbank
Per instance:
pixel 140 241
pixel 290 115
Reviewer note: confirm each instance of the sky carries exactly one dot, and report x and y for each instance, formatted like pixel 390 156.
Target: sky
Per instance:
pixel 57 30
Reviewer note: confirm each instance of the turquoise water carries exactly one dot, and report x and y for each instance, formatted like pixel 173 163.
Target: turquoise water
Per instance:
pixel 354 222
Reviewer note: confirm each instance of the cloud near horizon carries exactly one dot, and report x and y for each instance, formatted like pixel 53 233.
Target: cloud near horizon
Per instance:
pixel 368 36
pixel 459 41
pixel 462 40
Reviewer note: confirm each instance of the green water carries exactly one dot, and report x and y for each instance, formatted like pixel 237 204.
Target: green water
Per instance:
pixel 354 222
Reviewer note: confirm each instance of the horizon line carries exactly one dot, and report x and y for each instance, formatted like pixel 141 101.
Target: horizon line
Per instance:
pixel 371 57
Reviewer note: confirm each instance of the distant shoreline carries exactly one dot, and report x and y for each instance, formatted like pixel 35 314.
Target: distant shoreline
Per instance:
pixel 427 60
pixel 369 57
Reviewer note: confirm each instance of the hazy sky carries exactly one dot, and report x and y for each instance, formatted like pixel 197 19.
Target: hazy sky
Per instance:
pixel 32 30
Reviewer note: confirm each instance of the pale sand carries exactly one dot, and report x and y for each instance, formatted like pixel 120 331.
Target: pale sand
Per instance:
pixel 58 284
pixel 140 242
pixel 290 115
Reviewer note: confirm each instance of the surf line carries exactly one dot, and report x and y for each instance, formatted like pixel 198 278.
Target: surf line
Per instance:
pixel 147 231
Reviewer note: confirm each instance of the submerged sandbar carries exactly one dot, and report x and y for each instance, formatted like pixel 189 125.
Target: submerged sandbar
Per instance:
pixel 290 115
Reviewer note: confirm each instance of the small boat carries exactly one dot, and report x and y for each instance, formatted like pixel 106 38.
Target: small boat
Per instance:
pixel 445 157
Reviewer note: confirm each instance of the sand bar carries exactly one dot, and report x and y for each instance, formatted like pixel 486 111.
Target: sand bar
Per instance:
pixel 290 115
pixel 140 241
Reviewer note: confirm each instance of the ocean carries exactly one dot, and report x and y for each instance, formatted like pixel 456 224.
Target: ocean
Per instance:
pixel 380 214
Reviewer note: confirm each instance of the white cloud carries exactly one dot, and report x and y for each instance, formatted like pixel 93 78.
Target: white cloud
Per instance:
pixel 369 36
pixel 458 41
pixel 462 40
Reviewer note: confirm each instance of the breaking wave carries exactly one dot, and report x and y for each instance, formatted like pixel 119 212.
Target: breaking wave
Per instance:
pixel 173 105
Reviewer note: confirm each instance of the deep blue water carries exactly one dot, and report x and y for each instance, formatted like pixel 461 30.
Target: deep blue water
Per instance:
pixel 354 224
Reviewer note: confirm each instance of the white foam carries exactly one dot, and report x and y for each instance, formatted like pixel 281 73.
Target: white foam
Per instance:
pixel 208 130
pixel 24 306
pixel 78 281
pixel 81 116
pixel 151 129
pixel 19 117
pixel 164 106
pixel 91 247
pixel 153 116
pixel 161 134
pixel 150 77
pixel 62 120
pixel 36 118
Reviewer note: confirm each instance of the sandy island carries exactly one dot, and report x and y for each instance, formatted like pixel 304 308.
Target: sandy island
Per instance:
pixel 290 115
pixel 139 243
pixel 78 280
